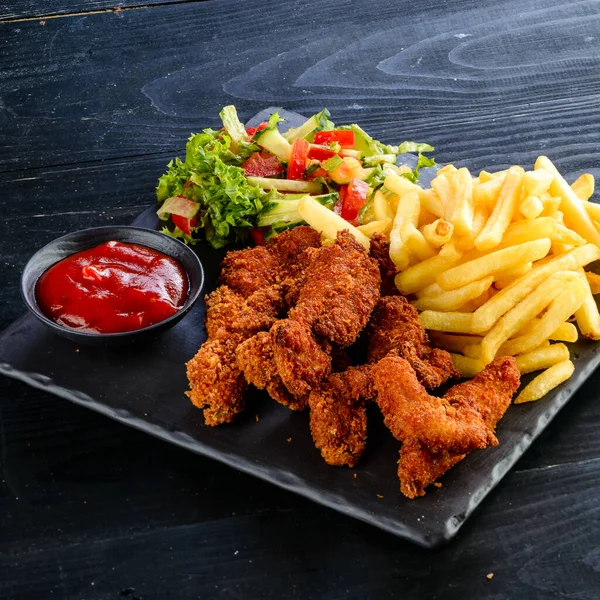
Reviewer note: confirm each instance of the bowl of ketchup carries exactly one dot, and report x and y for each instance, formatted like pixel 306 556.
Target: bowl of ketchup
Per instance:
pixel 112 285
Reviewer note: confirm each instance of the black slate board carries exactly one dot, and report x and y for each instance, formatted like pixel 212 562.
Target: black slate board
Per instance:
pixel 143 387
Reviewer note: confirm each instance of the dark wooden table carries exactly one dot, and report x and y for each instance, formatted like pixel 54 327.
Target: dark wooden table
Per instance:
pixel 94 100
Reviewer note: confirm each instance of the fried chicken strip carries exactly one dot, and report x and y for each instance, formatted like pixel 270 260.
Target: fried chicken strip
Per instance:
pixel 380 251
pixel 395 327
pixel 482 400
pixel 338 418
pixel 255 358
pixel 410 413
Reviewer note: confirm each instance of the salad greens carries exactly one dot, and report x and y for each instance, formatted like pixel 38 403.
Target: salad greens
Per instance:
pixel 236 182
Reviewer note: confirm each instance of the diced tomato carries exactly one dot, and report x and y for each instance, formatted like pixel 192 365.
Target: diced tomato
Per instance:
pixel 354 199
pixel 320 172
pixel 320 152
pixel 337 208
pixel 345 138
pixel 184 223
pixel 258 235
pixel 297 165
pixel 262 164
pixel 252 130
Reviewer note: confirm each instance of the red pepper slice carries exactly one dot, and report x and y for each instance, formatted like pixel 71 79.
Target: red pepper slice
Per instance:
pixel 297 165
pixel 252 130
pixel 184 223
pixel 344 137
pixel 320 152
pixel 354 199
pixel 258 235
pixel 262 164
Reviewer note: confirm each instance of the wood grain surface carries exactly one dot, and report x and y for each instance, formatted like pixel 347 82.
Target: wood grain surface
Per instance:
pixel 92 107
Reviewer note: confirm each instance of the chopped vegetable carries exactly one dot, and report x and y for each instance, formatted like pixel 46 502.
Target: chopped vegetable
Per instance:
pixel 237 183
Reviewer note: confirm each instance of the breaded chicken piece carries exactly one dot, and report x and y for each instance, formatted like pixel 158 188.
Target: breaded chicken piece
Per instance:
pixel 410 413
pixel 380 251
pixel 255 358
pixel 301 362
pixel 229 315
pixel 338 418
pixel 217 384
pixel 289 245
pixel 418 467
pixel 395 327
pixel 478 403
pixel 341 288
pixel 249 270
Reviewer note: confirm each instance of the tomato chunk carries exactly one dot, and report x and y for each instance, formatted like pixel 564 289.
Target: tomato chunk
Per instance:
pixel 354 199
pixel 344 137
pixel 258 235
pixel 252 130
pixel 320 152
pixel 297 165
pixel 262 164
pixel 184 223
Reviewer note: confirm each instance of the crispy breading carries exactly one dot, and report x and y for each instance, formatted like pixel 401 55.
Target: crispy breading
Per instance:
pixel 217 384
pixel 255 358
pixel 410 413
pixel 429 448
pixel 289 245
pixel 380 251
pixel 301 362
pixel 249 270
pixel 395 327
pixel 341 288
pixel 338 419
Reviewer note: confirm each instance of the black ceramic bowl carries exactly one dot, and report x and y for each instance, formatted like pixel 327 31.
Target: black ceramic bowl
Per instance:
pixel 88 238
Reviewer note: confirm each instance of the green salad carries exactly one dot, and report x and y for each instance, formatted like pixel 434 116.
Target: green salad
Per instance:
pixel 237 182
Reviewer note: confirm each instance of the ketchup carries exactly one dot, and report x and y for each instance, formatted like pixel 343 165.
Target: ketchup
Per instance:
pixel 112 288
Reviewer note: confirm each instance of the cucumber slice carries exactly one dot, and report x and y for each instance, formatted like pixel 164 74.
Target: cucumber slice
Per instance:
pixel 286 185
pixel 270 139
pixel 178 206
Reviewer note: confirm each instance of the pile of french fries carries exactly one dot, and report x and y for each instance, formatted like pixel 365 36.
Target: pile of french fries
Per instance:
pixel 494 263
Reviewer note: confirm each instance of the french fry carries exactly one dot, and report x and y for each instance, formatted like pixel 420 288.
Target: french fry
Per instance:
pixel 594 281
pixel 438 233
pixel 462 210
pixel 425 217
pixel 548 380
pixel 424 273
pixel 454 299
pixel 593 210
pixel 407 212
pixel 487 193
pixel 399 185
pixel 485 317
pixel 451 322
pixel 565 332
pixel 431 202
pixel 531 207
pixel 453 343
pixel 492 263
pixel 537 182
pixel 381 207
pixel 373 227
pixel 542 358
pixel 467 367
pixel 485 176
pixel 576 217
pixel 442 187
pixel 560 309
pixel 503 212
pixel 416 242
pixel 473 351
pixel 583 186
pixel 551 206
pixel 506 278
pixel 473 305
pixel 567 236
pixel 327 222
pixel 447 170
pixel 523 312
pixel 588 318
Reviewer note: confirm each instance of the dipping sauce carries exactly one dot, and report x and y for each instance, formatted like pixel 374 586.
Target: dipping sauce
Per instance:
pixel 112 288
